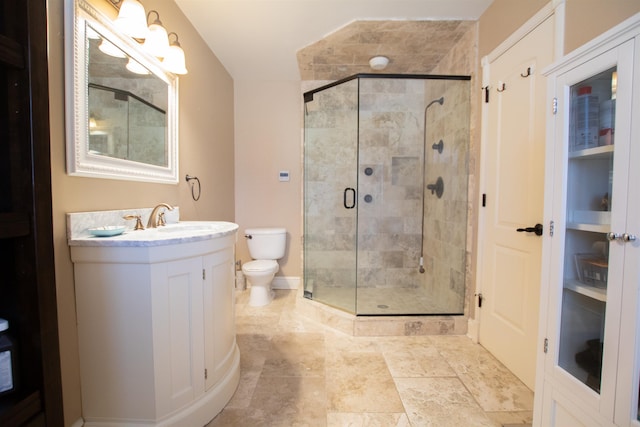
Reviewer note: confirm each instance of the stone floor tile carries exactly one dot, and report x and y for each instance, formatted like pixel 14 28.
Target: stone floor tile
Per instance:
pixel 341 419
pixel 297 372
pixel 440 402
pixel 360 382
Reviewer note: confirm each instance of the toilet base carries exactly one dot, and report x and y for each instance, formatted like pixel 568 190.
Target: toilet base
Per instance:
pixel 260 296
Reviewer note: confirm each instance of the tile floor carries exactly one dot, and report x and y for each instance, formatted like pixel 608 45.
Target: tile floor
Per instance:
pixel 297 372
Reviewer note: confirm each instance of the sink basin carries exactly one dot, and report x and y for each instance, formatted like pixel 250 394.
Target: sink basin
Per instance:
pixel 196 226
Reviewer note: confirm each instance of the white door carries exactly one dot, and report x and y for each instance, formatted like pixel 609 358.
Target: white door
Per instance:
pixel 513 184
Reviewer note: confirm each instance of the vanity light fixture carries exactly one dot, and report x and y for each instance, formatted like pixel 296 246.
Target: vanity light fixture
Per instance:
pixel 132 20
pixel 174 59
pixel 157 41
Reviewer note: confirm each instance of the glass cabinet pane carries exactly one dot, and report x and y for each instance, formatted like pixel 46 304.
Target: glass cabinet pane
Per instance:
pixel 589 204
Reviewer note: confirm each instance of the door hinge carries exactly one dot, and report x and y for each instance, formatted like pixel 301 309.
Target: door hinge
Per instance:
pixel 486 94
pixel 204 275
pixel 551 228
pixel 546 345
pixel 554 105
pixel 479 300
pixel 206 373
pixel 484 200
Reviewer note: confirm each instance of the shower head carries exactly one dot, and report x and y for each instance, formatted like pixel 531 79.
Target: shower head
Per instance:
pixel 438 101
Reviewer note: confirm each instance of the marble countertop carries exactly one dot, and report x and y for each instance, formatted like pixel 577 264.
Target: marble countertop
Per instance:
pixel 177 233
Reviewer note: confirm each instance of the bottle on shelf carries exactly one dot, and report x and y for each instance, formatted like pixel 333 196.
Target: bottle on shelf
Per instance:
pixel 585 129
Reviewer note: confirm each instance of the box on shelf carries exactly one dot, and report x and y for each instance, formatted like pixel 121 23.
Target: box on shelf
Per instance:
pixel 592 269
pixel 607 122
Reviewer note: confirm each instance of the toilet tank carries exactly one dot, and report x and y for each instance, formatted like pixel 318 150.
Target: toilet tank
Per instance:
pixel 266 243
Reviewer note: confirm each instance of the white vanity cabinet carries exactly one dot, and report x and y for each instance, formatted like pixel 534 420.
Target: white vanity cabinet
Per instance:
pixel 156 331
pixel 589 358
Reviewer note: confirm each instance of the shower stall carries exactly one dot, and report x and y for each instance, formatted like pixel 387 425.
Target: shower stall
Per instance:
pixel 385 194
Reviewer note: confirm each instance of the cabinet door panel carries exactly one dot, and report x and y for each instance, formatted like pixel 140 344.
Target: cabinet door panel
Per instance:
pixel 177 332
pixel 559 411
pixel 627 403
pixel 592 161
pixel 219 306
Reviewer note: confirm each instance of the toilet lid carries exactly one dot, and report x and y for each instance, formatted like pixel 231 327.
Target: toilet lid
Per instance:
pixel 260 265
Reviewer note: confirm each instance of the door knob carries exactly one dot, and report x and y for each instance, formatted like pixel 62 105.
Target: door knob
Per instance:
pixel 628 237
pixel 535 229
pixel 611 236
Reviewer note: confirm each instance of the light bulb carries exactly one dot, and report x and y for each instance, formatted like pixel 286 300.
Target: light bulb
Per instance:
pixel 132 20
pixel 174 60
pixel 157 41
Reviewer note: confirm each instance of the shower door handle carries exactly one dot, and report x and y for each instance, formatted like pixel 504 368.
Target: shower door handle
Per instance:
pixel 353 198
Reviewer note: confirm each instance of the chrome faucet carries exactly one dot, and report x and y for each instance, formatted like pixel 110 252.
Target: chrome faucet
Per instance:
pixel 154 221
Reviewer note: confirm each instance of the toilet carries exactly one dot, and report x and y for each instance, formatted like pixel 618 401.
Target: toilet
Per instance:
pixel 266 245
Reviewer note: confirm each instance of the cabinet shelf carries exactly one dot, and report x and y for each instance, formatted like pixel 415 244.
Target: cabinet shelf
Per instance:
pixel 592 153
pixel 595 228
pixel 19 410
pixel 594 292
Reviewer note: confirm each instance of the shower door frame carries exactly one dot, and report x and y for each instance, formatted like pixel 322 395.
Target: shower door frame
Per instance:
pixel 309 96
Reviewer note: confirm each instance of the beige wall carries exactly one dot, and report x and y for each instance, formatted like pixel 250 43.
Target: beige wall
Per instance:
pixel 206 150
pixel 588 18
pixel 585 19
pixel 501 19
pixel 268 117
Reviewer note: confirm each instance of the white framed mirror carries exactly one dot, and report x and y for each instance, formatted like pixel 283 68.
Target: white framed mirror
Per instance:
pixel 121 105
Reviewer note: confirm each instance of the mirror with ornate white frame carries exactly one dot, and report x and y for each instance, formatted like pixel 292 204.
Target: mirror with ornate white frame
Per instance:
pixel 121 124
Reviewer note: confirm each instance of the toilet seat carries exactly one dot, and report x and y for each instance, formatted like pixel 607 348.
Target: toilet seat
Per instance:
pixel 260 266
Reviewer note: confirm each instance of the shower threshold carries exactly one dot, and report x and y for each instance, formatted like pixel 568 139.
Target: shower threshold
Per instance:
pixel 381 324
pixel 406 301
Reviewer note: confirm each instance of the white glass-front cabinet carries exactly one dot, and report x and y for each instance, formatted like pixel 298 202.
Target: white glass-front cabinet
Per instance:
pixel 588 361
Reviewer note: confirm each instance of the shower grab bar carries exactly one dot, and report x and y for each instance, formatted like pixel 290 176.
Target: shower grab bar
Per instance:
pixel 353 199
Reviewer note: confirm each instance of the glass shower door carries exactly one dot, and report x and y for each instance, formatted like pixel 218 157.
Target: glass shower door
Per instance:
pixel 391 162
pixel 385 203
pixel 413 154
pixel 330 198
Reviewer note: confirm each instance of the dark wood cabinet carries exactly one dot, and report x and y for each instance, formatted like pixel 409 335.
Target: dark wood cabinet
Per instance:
pixel 27 279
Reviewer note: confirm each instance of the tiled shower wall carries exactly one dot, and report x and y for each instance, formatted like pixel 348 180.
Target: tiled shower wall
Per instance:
pixel 446 217
pixel 389 225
